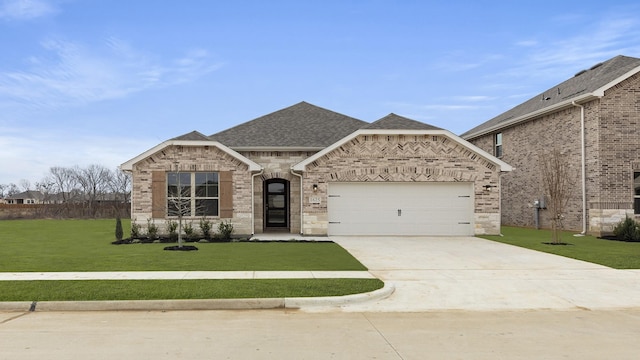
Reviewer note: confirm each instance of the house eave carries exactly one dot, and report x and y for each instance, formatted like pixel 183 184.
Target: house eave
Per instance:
pixel 128 166
pixel 596 94
pixel 301 166
pixel 532 115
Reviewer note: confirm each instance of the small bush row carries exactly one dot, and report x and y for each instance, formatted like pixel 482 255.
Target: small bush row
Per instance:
pixel 189 231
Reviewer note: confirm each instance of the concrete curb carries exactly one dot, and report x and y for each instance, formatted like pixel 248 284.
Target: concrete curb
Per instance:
pixel 301 302
pixel 196 304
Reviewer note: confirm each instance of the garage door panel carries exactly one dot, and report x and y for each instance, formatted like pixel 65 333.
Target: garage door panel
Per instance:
pixel 400 209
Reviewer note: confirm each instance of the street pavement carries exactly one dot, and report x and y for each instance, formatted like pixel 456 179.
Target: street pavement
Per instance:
pixel 290 334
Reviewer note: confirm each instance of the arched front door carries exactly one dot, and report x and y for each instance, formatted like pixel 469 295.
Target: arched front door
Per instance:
pixel 276 204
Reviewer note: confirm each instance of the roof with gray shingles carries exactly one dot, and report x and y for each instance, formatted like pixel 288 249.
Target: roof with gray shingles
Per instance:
pixel 302 125
pixel 397 122
pixel 192 136
pixel 29 194
pixel 582 83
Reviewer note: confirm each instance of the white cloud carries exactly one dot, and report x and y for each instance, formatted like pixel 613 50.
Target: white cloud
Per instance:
pixel 26 153
pixel 614 34
pixel 74 74
pixel 25 9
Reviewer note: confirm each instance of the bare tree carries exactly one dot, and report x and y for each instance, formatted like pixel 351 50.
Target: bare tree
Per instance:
pixel 179 199
pixel 25 184
pixel 120 186
pixel 93 181
pixel 557 179
pixel 64 188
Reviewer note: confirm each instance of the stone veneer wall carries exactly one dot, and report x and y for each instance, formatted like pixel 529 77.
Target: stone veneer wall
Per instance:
pixel 277 165
pixel 612 133
pixel 423 158
pixel 192 159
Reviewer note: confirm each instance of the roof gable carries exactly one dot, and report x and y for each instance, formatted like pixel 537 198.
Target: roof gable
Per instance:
pixel 128 166
pixel 302 125
pixel 393 121
pixel 583 85
pixel 301 166
pixel 192 136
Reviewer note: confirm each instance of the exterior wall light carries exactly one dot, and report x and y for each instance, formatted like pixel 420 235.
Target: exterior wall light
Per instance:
pixel 487 187
pixel 315 187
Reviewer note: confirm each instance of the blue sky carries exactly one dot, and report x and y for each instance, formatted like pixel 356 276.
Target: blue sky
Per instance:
pixel 100 81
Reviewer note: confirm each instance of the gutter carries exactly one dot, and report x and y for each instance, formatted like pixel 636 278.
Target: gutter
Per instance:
pixel 583 169
pixel 301 199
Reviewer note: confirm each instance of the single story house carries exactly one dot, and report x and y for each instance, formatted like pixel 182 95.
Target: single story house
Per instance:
pixel 26 197
pixel 593 119
pixel 311 171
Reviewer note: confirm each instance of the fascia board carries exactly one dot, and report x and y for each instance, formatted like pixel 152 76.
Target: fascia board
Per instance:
pixel 128 166
pixel 300 167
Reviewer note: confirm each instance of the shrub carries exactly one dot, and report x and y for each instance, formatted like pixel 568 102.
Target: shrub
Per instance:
pixel 152 229
pixel 627 230
pixel 172 226
pixel 118 229
pixel 205 227
pixel 189 231
pixel 225 229
pixel 135 229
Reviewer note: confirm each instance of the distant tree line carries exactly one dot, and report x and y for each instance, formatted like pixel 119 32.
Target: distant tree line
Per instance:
pixel 88 192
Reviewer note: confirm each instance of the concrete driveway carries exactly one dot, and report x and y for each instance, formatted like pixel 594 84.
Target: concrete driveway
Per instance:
pixel 467 273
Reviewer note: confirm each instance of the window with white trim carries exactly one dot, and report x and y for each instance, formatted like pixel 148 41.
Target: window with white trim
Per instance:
pixel 497 141
pixel 193 194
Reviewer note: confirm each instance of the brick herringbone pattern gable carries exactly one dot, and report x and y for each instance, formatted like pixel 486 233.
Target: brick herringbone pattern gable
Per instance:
pixel 412 158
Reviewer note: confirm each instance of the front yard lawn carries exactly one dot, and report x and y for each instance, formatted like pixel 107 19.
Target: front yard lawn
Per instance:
pixel 615 254
pixel 85 245
pixel 181 289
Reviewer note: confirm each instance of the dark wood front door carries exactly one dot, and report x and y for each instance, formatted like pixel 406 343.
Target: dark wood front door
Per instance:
pixel 276 203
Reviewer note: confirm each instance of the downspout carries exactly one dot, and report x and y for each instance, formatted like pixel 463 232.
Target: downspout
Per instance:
pixel 253 203
pixel 584 170
pixel 301 199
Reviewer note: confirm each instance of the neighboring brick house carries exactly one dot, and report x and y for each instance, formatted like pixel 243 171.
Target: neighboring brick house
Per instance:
pixel 311 171
pixel 606 99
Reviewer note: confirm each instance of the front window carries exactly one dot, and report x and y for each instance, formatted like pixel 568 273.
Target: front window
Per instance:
pixel 192 194
pixel 636 189
pixel 497 140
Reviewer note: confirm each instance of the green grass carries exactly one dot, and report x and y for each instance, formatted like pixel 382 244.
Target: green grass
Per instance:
pixel 615 254
pixel 85 245
pixel 181 289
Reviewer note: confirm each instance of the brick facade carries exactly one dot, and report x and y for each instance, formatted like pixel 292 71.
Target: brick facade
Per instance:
pixel 277 165
pixel 191 159
pixel 612 143
pixel 396 158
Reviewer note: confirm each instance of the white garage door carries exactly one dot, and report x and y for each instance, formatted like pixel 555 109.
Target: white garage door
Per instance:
pixel 400 208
